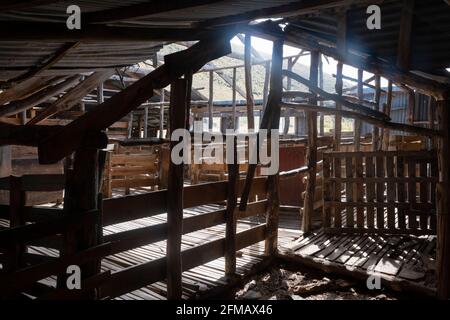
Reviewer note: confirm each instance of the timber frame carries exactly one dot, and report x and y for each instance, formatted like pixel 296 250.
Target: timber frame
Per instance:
pixel 356 184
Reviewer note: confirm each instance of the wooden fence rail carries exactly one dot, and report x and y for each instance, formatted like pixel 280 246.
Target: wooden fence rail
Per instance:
pixel 118 210
pixel 385 192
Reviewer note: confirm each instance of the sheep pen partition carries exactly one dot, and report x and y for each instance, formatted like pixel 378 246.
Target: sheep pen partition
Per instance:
pixel 390 192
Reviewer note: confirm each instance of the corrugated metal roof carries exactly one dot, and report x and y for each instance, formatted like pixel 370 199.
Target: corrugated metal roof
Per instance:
pixel 430 43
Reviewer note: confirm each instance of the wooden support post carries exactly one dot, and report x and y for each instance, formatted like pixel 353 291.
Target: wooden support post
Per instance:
pixel 432 121
pixel 145 122
pixel 178 105
pixel 266 84
pixel 16 218
pixel 5 161
pixel 387 110
pixel 161 115
pixel 100 96
pixel 411 106
pixel 230 233
pixel 338 119
pixel 341 45
pixel 130 125
pixel 376 130
pixel 443 205
pixel 273 206
pixel 248 83
pixel 321 116
pixel 81 195
pixel 211 100
pixel 290 65
pixel 311 156
pixel 357 133
pixel 189 78
pixel 233 88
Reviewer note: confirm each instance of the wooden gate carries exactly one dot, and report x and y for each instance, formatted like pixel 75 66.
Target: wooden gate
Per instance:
pixel 387 192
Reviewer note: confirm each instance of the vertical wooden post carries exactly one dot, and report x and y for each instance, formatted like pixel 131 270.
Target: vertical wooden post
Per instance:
pixel 211 100
pixel 411 106
pixel 145 122
pixel 376 130
pixel 432 121
pixel 161 114
pixel 81 195
pixel 443 197
pixel 234 99
pixel 338 119
pixel 290 65
pixel 357 133
pixel 248 82
pixel 230 233
pixel 188 78
pixel 100 96
pixel 311 156
pixel 387 110
pixel 5 161
pixel 273 206
pixel 266 84
pixel 341 43
pixel 16 218
pixel 321 116
pixel 23 117
pixel 130 125
pixel 177 118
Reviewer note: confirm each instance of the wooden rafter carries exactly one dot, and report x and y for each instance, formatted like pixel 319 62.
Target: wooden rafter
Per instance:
pixel 436 89
pixel 102 116
pixel 38 98
pixel 336 98
pixel 47 64
pixel 74 96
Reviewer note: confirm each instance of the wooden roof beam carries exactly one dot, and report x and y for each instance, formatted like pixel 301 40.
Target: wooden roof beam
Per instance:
pixel 336 98
pixel 49 62
pixel 104 115
pixel 38 98
pixel 426 86
pixel 42 31
pixel 74 96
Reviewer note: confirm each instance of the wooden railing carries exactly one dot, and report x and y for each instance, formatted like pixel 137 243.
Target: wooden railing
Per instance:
pixel 117 210
pixel 385 192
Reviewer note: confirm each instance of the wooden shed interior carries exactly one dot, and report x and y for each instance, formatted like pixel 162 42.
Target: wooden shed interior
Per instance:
pixel 86 116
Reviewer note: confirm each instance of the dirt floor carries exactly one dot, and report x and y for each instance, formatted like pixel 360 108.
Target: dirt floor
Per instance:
pixel 287 283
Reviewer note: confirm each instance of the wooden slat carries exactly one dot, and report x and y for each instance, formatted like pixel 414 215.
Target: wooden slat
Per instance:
pixel 134 183
pixel 326 191
pixel 401 193
pixel 370 191
pixel 135 277
pixel 37 182
pixel 412 193
pixel 380 191
pixel 423 172
pixel 337 193
pixel 350 221
pixel 390 192
pixel 359 192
